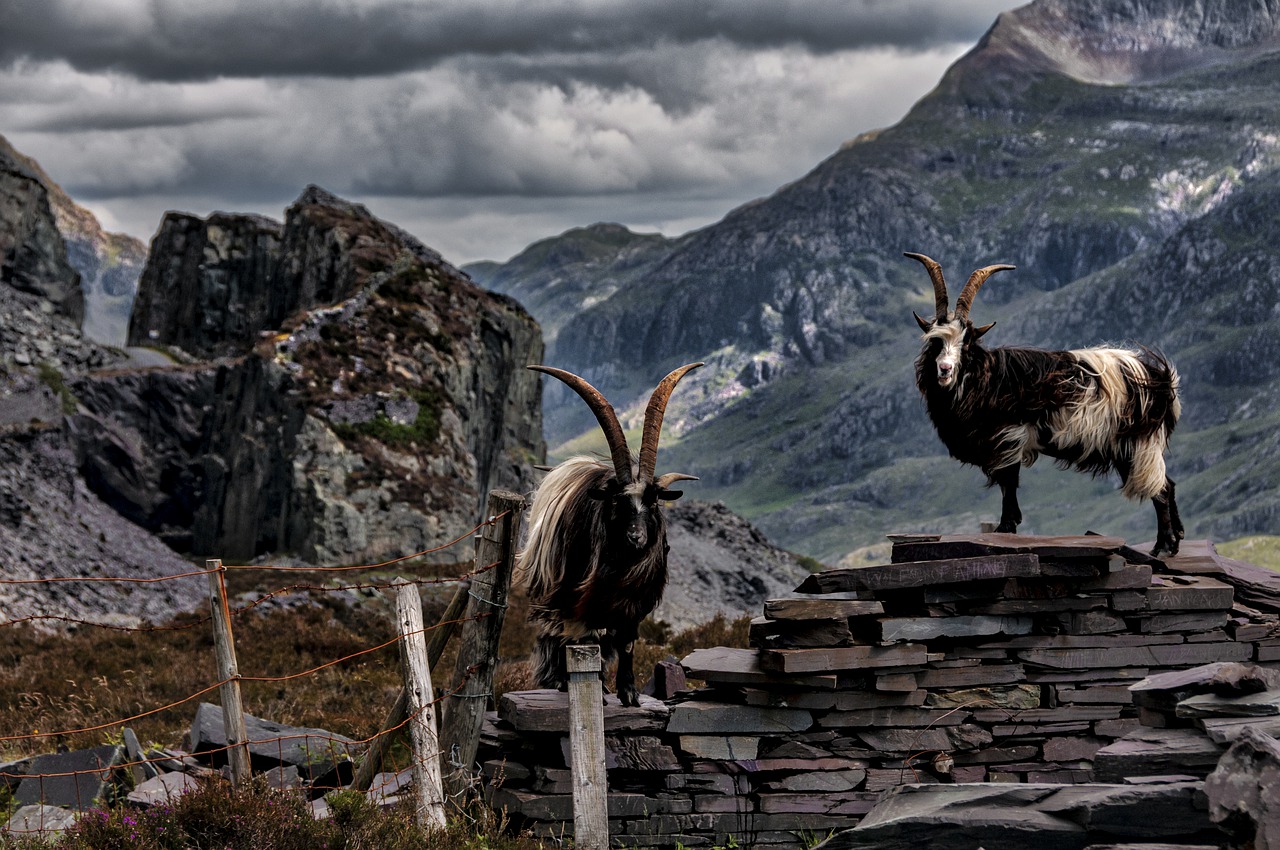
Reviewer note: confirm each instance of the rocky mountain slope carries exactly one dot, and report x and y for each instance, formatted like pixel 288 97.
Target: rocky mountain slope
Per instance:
pixel 1122 153
pixel 108 263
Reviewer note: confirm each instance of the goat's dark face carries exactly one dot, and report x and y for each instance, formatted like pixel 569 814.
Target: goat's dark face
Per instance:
pixel 632 511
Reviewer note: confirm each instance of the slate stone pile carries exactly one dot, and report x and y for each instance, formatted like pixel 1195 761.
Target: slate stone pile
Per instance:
pixel 969 659
pixel 47 793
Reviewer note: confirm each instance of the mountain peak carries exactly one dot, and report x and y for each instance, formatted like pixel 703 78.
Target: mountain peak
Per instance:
pixel 1111 42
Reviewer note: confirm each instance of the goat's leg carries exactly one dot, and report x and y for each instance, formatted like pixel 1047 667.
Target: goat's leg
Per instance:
pixel 625 682
pixel 1010 513
pixel 1168 523
pixel 549 666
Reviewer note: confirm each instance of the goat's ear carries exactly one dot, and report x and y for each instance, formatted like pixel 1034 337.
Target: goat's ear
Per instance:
pixel 924 326
pixel 669 495
pixel 978 332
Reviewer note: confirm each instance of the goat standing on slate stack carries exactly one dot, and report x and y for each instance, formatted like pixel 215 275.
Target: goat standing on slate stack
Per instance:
pixel 1096 409
pixel 596 556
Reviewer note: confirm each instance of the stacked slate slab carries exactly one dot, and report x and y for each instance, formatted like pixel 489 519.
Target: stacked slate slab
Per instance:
pixel 986 658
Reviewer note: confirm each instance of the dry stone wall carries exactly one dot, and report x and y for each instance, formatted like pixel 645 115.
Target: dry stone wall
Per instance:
pixel 970 659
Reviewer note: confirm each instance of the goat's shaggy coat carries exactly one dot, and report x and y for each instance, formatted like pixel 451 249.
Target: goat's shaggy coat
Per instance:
pixel 1094 409
pixel 587 582
pixel 595 560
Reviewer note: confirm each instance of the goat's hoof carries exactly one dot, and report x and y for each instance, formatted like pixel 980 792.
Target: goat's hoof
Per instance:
pixel 1170 547
pixel 629 696
pixel 1007 528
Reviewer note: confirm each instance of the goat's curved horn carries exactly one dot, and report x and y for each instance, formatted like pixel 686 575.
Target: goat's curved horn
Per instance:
pixel 665 481
pixel 605 415
pixel 939 287
pixel 979 277
pixel 653 419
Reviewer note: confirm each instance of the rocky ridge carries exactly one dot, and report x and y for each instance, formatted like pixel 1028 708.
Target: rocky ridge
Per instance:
pixel 351 397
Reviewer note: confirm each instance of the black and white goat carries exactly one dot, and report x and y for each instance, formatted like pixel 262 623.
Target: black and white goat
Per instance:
pixel 595 560
pixel 1096 409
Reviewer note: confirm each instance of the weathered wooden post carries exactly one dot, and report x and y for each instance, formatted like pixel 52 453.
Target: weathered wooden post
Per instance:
pixel 428 787
pixel 399 712
pixel 586 747
pixel 478 647
pixel 229 673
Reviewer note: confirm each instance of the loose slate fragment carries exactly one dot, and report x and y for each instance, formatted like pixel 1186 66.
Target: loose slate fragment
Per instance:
pixel 548 711
pixel 79 778
pixel 783 634
pixel 1243 790
pixel 742 667
pixel 1164 691
pixel 716 718
pixel 165 788
pixel 967 546
pixel 1155 752
pixel 967 677
pixel 315 752
pixel 725 748
pixel 917 574
pixel 930 628
pixel 1265 704
pixel 820 609
pixel 1172 655
pixel 791 661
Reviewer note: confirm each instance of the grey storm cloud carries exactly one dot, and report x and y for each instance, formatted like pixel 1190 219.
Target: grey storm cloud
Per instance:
pixel 181 40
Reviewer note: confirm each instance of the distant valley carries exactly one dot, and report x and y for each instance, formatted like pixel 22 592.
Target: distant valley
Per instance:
pixel 1122 153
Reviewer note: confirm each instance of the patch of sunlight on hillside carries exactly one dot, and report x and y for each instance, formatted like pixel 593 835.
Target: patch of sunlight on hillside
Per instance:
pixel 1261 549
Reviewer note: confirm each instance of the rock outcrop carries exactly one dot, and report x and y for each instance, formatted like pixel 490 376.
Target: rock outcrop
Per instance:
pixel 351 396
pixel 33 255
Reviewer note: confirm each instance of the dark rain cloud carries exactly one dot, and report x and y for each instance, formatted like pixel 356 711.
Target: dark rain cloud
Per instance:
pixel 179 40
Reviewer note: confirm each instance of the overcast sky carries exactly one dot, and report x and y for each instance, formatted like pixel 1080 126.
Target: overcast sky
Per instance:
pixel 478 125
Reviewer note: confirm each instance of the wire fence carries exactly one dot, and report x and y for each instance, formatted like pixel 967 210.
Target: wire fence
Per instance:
pixel 329 757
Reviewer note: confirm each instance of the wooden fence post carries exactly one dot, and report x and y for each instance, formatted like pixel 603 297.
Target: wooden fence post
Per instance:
pixel 440 635
pixel 422 722
pixel 229 672
pixel 478 647
pixel 586 746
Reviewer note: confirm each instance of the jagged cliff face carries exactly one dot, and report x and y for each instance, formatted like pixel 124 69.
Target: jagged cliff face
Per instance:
pixel 352 396
pixel 33 256
pixel 108 264
pixel 1118 152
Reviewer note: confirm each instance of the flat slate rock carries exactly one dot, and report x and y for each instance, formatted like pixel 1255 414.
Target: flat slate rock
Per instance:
pixel 998 816
pixel 1084 546
pixel 820 609
pixel 917 574
pixel 39 821
pixel 1169 655
pixel 163 789
pixel 315 752
pixel 792 661
pixel 548 711
pixel 1156 752
pixel 716 718
pixel 725 665
pixel 1163 691
pixel 1264 704
pixel 74 780
pixel 930 628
